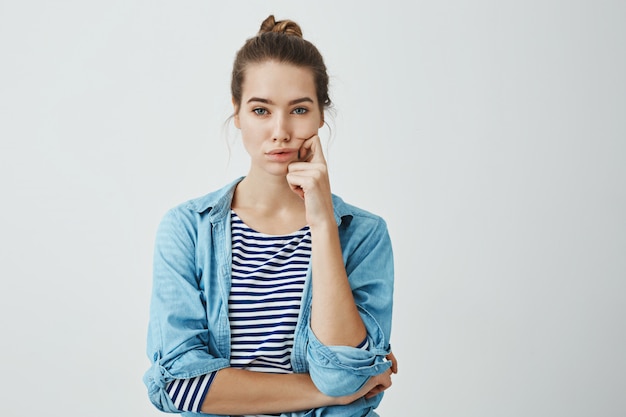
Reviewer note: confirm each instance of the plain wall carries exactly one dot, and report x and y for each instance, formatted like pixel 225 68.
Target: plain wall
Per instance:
pixel 491 135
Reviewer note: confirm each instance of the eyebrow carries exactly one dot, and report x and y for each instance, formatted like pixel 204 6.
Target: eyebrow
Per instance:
pixel 291 103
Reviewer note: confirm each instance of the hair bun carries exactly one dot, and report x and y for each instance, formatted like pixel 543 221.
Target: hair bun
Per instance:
pixel 288 27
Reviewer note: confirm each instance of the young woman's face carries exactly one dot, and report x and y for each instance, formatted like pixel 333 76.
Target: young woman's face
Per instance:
pixel 278 112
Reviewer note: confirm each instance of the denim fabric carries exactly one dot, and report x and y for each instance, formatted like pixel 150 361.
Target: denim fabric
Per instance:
pixel 189 332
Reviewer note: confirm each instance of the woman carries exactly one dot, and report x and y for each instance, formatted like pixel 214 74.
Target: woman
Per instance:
pixel 272 296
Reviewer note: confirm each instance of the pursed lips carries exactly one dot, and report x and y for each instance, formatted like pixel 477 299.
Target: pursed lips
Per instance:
pixel 282 154
pixel 281 151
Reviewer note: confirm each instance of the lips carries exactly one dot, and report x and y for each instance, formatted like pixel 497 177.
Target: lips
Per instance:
pixel 282 154
pixel 281 151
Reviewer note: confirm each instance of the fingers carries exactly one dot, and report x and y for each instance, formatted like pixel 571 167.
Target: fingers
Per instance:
pixel 377 390
pixel 308 178
pixel 311 167
pixel 394 362
pixel 383 382
pixel 311 150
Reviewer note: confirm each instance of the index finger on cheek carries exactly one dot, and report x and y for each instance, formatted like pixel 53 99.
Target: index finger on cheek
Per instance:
pixel 304 153
pixel 306 149
pixel 317 152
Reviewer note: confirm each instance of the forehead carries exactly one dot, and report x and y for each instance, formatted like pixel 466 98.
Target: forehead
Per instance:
pixel 278 82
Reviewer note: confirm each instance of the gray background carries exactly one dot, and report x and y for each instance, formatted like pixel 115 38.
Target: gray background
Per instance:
pixel 490 134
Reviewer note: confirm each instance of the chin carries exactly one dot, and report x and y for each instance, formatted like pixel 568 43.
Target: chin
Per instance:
pixel 277 170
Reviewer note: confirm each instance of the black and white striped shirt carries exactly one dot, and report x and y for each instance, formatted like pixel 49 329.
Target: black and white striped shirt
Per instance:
pixel 268 275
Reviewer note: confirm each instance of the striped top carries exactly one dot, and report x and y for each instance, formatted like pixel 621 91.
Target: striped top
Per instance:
pixel 268 275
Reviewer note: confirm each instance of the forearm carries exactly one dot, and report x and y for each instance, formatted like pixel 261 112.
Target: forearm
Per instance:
pixel 335 319
pixel 237 391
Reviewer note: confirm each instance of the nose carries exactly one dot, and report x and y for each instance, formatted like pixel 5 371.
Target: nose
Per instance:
pixel 281 130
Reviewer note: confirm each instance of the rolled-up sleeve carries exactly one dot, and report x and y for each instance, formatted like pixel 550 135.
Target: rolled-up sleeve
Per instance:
pixel 368 257
pixel 178 333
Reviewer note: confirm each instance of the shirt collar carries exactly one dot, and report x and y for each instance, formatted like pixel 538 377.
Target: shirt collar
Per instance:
pixel 218 203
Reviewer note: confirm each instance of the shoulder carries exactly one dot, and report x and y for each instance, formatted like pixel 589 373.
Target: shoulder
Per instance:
pixel 210 207
pixel 363 235
pixel 218 200
pixel 350 215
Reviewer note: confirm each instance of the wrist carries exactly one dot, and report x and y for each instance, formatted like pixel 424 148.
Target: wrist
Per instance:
pixel 323 224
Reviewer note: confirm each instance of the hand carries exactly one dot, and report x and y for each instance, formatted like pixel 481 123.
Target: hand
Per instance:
pixel 309 179
pixel 376 384
pixel 394 370
pixel 394 362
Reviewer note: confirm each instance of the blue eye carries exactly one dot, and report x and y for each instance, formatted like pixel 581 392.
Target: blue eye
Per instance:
pixel 300 110
pixel 260 111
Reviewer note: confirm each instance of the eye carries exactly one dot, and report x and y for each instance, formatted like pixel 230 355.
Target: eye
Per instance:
pixel 300 110
pixel 260 111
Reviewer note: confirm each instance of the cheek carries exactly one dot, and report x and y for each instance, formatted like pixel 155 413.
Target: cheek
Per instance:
pixel 251 147
pixel 252 137
pixel 307 129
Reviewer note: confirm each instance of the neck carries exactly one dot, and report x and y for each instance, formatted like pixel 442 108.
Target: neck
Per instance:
pixel 266 192
pixel 267 204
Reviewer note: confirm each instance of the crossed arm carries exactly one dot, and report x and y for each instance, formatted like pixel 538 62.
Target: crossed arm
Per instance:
pixel 236 391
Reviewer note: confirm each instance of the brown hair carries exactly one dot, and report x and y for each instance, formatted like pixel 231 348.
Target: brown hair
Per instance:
pixel 280 41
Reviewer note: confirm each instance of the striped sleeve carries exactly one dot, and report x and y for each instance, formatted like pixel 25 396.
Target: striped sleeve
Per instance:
pixel 188 394
pixel 364 345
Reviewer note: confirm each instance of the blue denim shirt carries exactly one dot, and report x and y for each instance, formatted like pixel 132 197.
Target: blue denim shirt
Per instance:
pixel 189 332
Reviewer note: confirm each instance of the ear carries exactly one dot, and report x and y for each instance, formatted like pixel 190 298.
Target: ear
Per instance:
pixel 322 120
pixel 236 114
